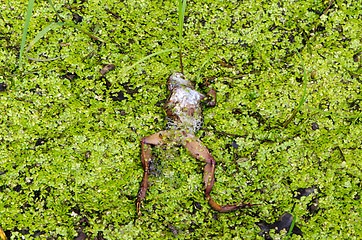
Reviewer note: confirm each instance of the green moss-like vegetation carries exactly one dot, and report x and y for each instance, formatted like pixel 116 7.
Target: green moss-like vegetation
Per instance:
pixel 70 154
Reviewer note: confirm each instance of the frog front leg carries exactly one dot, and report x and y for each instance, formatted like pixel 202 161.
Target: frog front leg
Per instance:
pixel 200 152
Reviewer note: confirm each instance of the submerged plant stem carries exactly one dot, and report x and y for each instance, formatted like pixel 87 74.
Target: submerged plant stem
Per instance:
pixel 304 97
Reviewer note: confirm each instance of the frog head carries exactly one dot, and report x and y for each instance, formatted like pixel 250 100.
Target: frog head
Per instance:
pixel 178 80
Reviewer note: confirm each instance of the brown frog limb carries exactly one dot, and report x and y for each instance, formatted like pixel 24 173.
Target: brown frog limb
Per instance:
pixel 184 116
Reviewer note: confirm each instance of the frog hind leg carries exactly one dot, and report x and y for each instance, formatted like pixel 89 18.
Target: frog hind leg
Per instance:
pixel 200 152
pixel 146 148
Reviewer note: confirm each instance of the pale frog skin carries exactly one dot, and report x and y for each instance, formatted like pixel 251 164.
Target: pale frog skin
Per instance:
pixel 184 118
pixel 183 107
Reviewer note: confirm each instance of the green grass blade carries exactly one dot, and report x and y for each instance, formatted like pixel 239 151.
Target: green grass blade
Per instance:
pixel 291 227
pixel 42 33
pixel 181 11
pixel 145 58
pixel 125 70
pixel 55 11
pixel 47 29
pixel 25 30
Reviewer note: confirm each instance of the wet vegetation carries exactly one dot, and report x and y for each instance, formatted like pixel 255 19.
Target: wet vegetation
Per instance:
pixel 285 133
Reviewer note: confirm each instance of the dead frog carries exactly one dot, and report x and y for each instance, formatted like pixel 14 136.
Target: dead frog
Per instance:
pixel 184 118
